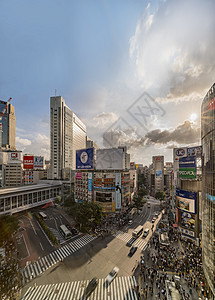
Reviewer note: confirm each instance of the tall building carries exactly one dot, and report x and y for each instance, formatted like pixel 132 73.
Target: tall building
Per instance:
pixel 208 186
pixel 8 122
pixel 67 134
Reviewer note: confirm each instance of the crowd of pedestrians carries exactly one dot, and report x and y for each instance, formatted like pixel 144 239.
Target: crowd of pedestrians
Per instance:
pixel 179 257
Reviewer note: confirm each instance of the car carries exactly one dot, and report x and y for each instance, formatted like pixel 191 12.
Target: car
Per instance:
pixel 91 287
pixel 74 231
pixel 113 273
pixel 149 205
pixel 129 243
pixel 153 220
pixel 132 251
pixel 130 222
pixel 156 214
pixel 146 232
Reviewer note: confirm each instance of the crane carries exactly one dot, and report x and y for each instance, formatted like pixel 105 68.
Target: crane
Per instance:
pixel 1 116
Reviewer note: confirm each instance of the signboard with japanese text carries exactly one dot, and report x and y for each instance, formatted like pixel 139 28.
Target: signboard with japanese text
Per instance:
pixel 28 162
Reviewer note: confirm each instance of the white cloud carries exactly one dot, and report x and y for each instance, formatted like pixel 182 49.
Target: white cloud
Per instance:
pixel 173 48
pixel 39 145
pixel 22 142
pixel 103 118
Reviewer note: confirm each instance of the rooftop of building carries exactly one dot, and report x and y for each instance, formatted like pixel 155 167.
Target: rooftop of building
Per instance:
pixel 27 188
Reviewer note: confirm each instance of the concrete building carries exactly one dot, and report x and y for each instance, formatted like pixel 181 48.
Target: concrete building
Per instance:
pixel 13 174
pixel 14 200
pixel 67 134
pixel 158 168
pixel 8 122
pixel 91 144
pixel 208 187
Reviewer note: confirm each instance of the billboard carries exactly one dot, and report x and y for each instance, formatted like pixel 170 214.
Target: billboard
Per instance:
pixel 158 173
pixel 186 201
pixel 194 151
pixel 78 175
pixel 38 162
pixel 118 192
pixel 187 167
pixel 84 159
pixel 90 184
pixel 14 156
pixel 179 153
pixel 110 159
pixel 28 162
pixel 188 220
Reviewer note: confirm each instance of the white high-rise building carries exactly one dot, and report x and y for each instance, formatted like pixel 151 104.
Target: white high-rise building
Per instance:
pixel 67 134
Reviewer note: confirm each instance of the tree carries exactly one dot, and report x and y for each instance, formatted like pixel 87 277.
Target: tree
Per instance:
pixel 87 214
pixel 10 276
pixel 138 201
pixel 160 195
pixel 142 193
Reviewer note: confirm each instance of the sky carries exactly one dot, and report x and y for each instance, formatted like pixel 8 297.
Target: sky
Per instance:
pixel 134 71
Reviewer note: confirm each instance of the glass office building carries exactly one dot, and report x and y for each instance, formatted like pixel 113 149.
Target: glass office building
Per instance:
pixel 208 187
pixel 8 126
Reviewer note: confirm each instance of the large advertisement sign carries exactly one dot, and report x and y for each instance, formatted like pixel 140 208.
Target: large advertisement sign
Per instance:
pixel 84 159
pixel 186 201
pixel 188 220
pixel 78 175
pixel 14 156
pixel 90 185
pixel 194 151
pixel 28 162
pixel 179 153
pixel 187 167
pixel 158 173
pixel 38 162
pixel 118 192
pixel 110 159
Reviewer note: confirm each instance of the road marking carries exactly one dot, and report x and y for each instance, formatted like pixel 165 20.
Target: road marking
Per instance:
pixel 33 227
pixel 41 247
pixel 26 245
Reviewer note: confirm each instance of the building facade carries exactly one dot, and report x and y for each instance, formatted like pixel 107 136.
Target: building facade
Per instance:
pixel 8 122
pixel 67 134
pixel 13 200
pixel 208 186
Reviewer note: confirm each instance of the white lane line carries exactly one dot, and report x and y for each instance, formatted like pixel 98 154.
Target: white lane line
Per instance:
pixel 26 245
pixel 33 227
pixel 41 247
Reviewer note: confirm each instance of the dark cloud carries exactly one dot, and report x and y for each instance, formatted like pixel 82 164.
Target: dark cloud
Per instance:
pixel 184 134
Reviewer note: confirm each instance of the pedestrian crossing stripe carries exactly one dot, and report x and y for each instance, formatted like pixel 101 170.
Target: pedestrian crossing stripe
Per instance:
pixel 121 288
pixel 126 237
pixel 33 270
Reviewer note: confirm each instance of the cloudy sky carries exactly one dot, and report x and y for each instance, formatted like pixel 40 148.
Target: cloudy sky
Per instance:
pixel 134 71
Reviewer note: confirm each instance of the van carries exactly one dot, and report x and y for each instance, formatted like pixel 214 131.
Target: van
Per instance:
pixel 146 232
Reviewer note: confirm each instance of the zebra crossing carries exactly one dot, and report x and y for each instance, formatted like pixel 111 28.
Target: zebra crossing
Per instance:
pixel 33 270
pixel 57 235
pixel 126 237
pixel 122 288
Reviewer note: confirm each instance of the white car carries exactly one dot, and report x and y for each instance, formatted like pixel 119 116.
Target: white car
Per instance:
pixel 130 222
pixel 111 275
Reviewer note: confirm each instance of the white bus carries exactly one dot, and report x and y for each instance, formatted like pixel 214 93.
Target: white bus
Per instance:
pixel 42 215
pixel 65 231
pixel 137 232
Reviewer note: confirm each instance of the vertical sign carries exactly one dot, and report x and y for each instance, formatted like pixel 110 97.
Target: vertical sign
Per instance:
pixel 118 193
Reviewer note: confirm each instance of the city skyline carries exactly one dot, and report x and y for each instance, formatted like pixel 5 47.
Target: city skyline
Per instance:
pixel 164 48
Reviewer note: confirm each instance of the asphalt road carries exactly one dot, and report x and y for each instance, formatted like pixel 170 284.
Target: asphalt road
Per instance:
pixel 97 258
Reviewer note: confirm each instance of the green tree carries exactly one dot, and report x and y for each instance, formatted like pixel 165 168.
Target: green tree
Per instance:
pixel 138 202
pixel 10 276
pixel 86 214
pixel 142 193
pixel 160 195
